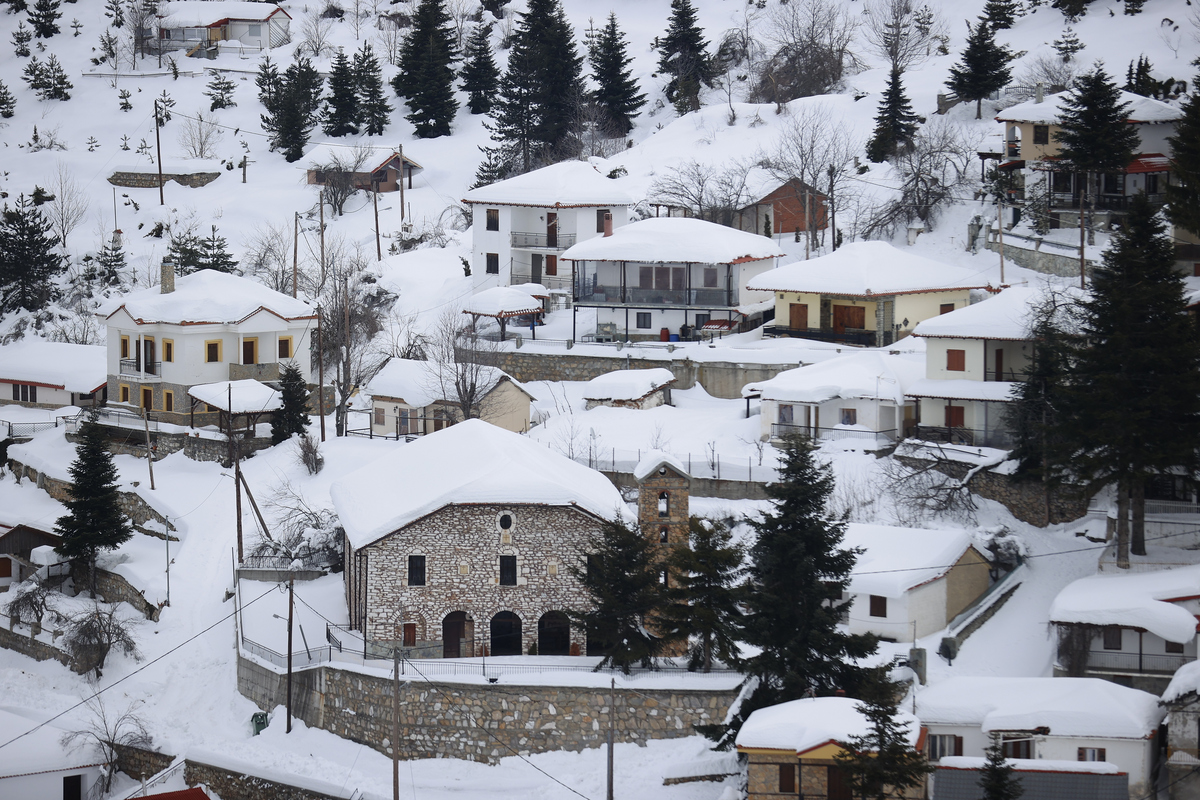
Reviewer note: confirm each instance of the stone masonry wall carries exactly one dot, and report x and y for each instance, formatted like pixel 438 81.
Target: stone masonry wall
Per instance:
pixel 113 588
pixel 149 180
pixel 462 546
pixel 231 785
pixel 139 763
pixel 38 651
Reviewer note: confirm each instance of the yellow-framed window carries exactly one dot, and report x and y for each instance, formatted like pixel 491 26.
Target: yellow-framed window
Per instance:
pixel 168 350
pixel 124 393
pixel 285 348
pixel 212 351
pixel 124 347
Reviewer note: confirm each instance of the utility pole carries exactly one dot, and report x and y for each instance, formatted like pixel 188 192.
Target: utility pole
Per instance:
pixel 832 213
pixel 320 375
pixel 401 184
pixel 237 476
pixel 375 202
pixel 807 224
pixel 612 713
pixel 1000 225
pixel 167 539
pixel 322 209
pixel 1082 243
pixel 149 450
pixel 395 723
pixel 158 147
pixel 295 251
pixel 345 413
pixel 291 605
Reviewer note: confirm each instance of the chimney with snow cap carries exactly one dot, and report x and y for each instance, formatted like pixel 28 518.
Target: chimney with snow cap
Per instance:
pixel 167 283
pixel 608 223
pixel 1039 92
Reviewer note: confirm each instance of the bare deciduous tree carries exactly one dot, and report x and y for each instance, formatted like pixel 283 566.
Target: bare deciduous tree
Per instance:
pixel 923 487
pixel 1054 74
pixel 315 36
pixel 462 14
pixel 812 41
pixel 462 365
pixel 337 174
pixel 268 256
pixel 78 326
pixel 93 634
pixel 200 135
pixel 70 204
pixel 30 601
pixel 706 191
pixel 302 533
pixel 308 450
pixel 894 32
pixel 390 37
pixel 107 731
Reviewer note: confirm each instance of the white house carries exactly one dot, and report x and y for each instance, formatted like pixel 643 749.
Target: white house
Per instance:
pixel 1140 627
pixel 523 225
pixel 1056 719
pixel 630 388
pixel 668 275
pixel 911 581
pixel 37 765
pixel 206 327
pixel 858 396
pixel 974 356
pixel 413 398
pixel 52 374
pixel 188 24
pixel 867 293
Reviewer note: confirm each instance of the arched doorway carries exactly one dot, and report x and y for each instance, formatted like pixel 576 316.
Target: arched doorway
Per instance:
pixel 457 632
pixel 554 634
pixel 506 634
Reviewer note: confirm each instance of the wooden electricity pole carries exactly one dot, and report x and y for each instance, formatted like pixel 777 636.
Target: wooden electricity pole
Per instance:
pixel 1082 243
pixel 237 474
pixel 158 147
pixel 396 723
pixel 402 183
pixel 612 713
pixel 295 251
pixel 1000 220
pixel 320 375
pixel 291 606
pixel 375 202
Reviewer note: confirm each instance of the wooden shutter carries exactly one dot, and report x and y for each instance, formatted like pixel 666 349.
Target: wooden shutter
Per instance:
pixel 945 308
pixel 956 360
pixel 5 567
pixel 787 778
pixel 878 606
pixel 958 746
pixel 954 417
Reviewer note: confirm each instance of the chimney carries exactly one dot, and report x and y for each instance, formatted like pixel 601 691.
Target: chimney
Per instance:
pixel 167 284
pixel 608 223
pixel 1039 92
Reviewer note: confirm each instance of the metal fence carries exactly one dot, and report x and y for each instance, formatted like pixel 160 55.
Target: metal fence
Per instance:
pixel 112 418
pixel 308 657
pixel 15 430
pixel 780 430
pixel 717 466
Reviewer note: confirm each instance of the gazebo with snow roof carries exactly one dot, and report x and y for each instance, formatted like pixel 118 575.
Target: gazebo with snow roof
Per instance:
pixel 502 303
pixel 248 399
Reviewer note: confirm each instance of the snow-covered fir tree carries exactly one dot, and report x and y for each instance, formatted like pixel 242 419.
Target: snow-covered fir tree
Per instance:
pixel 479 75
pixel 895 125
pixel 426 76
pixel 341 102
pixel 616 90
pixel 374 110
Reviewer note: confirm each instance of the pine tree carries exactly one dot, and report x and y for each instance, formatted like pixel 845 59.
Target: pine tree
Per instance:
pixel 94 520
pixel 267 80
pixel 1067 45
pixel 44 18
pixel 29 261
pixel 21 37
pixel 798 570
pixel 292 417
pixel 883 762
pixel 1071 9
pixel 683 55
pixel 616 90
pixel 983 68
pixel 374 110
pixel 220 90
pixel 426 76
pixel 1001 14
pixel 1039 401
pixel 186 251
pixel 294 104
pixel 620 577
pixel 8 104
pixel 214 253
pixel 494 167
pixel 1093 134
pixel 1134 6
pixel 1140 80
pixel 896 123
pixel 341 104
pixel 115 12
pixel 110 264
pixel 165 104
pixel 1136 364
pixel 541 91
pixel 704 596
pixel 480 76
pixel 996 777
pixel 16 6
pixel 1183 193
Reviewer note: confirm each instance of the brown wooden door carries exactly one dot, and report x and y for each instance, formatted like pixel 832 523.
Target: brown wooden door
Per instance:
pixel 248 352
pixel 409 634
pixel 148 347
pixel 551 229
pixel 999 364
pixel 849 317
pixel 954 416
pixel 453 631
pixel 551 265
pixel 798 316
pixel 147 398
pixel 839 789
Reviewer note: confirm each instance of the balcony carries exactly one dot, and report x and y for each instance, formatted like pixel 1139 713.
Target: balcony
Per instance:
pixel 132 368
pixel 259 372
pixel 561 282
pixel 1104 202
pixel 972 437
pixel 853 336
pixel 632 296
pixel 1137 663
pixel 542 241
pixel 883 438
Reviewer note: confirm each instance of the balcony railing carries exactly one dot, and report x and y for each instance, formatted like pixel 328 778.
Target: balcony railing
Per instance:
pixel 782 429
pixel 704 298
pixel 971 437
pixel 561 282
pixel 543 241
pixel 850 336
pixel 1104 202
pixel 133 368
pixel 1004 375
pixel 1109 660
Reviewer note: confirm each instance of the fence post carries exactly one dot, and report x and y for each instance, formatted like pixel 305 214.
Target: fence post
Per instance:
pixel 718 455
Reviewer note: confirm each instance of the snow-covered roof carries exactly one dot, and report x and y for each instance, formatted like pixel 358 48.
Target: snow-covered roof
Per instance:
pixel 870 375
pixel 1137 600
pixel 45 555
pixel 38 750
pixel 655 459
pixel 566 184
pixel 1049 111
pixel 801 725
pixel 676 240
pixel 207 296
pixel 1067 706
pixel 469 463
pixel 377 156
pixel 1002 316
pixel 502 301
pixel 627 384
pixel 202 13
pixel 533 289
pixel 898 559
pixel 867 269
pixel 416 382
pixel 1033 765
pixel 962 389
pixel 1185 681
pixel 246 396
pixel 79 368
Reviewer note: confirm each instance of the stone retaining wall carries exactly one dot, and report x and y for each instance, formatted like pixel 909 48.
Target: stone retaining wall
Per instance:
pixel 446 719
pixel 138 763
pixel 230 785
pixel 1048 262
pixel 38 651
pixel 113 588
pixel 703 487
pixel 149 180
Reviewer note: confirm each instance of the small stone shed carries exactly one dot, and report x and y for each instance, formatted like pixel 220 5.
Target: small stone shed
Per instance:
pixel 630 388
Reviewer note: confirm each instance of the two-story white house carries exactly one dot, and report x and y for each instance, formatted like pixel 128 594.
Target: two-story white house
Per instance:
pixel 202 328
pixel 523 225
pixel 974 357
pixel 669 274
